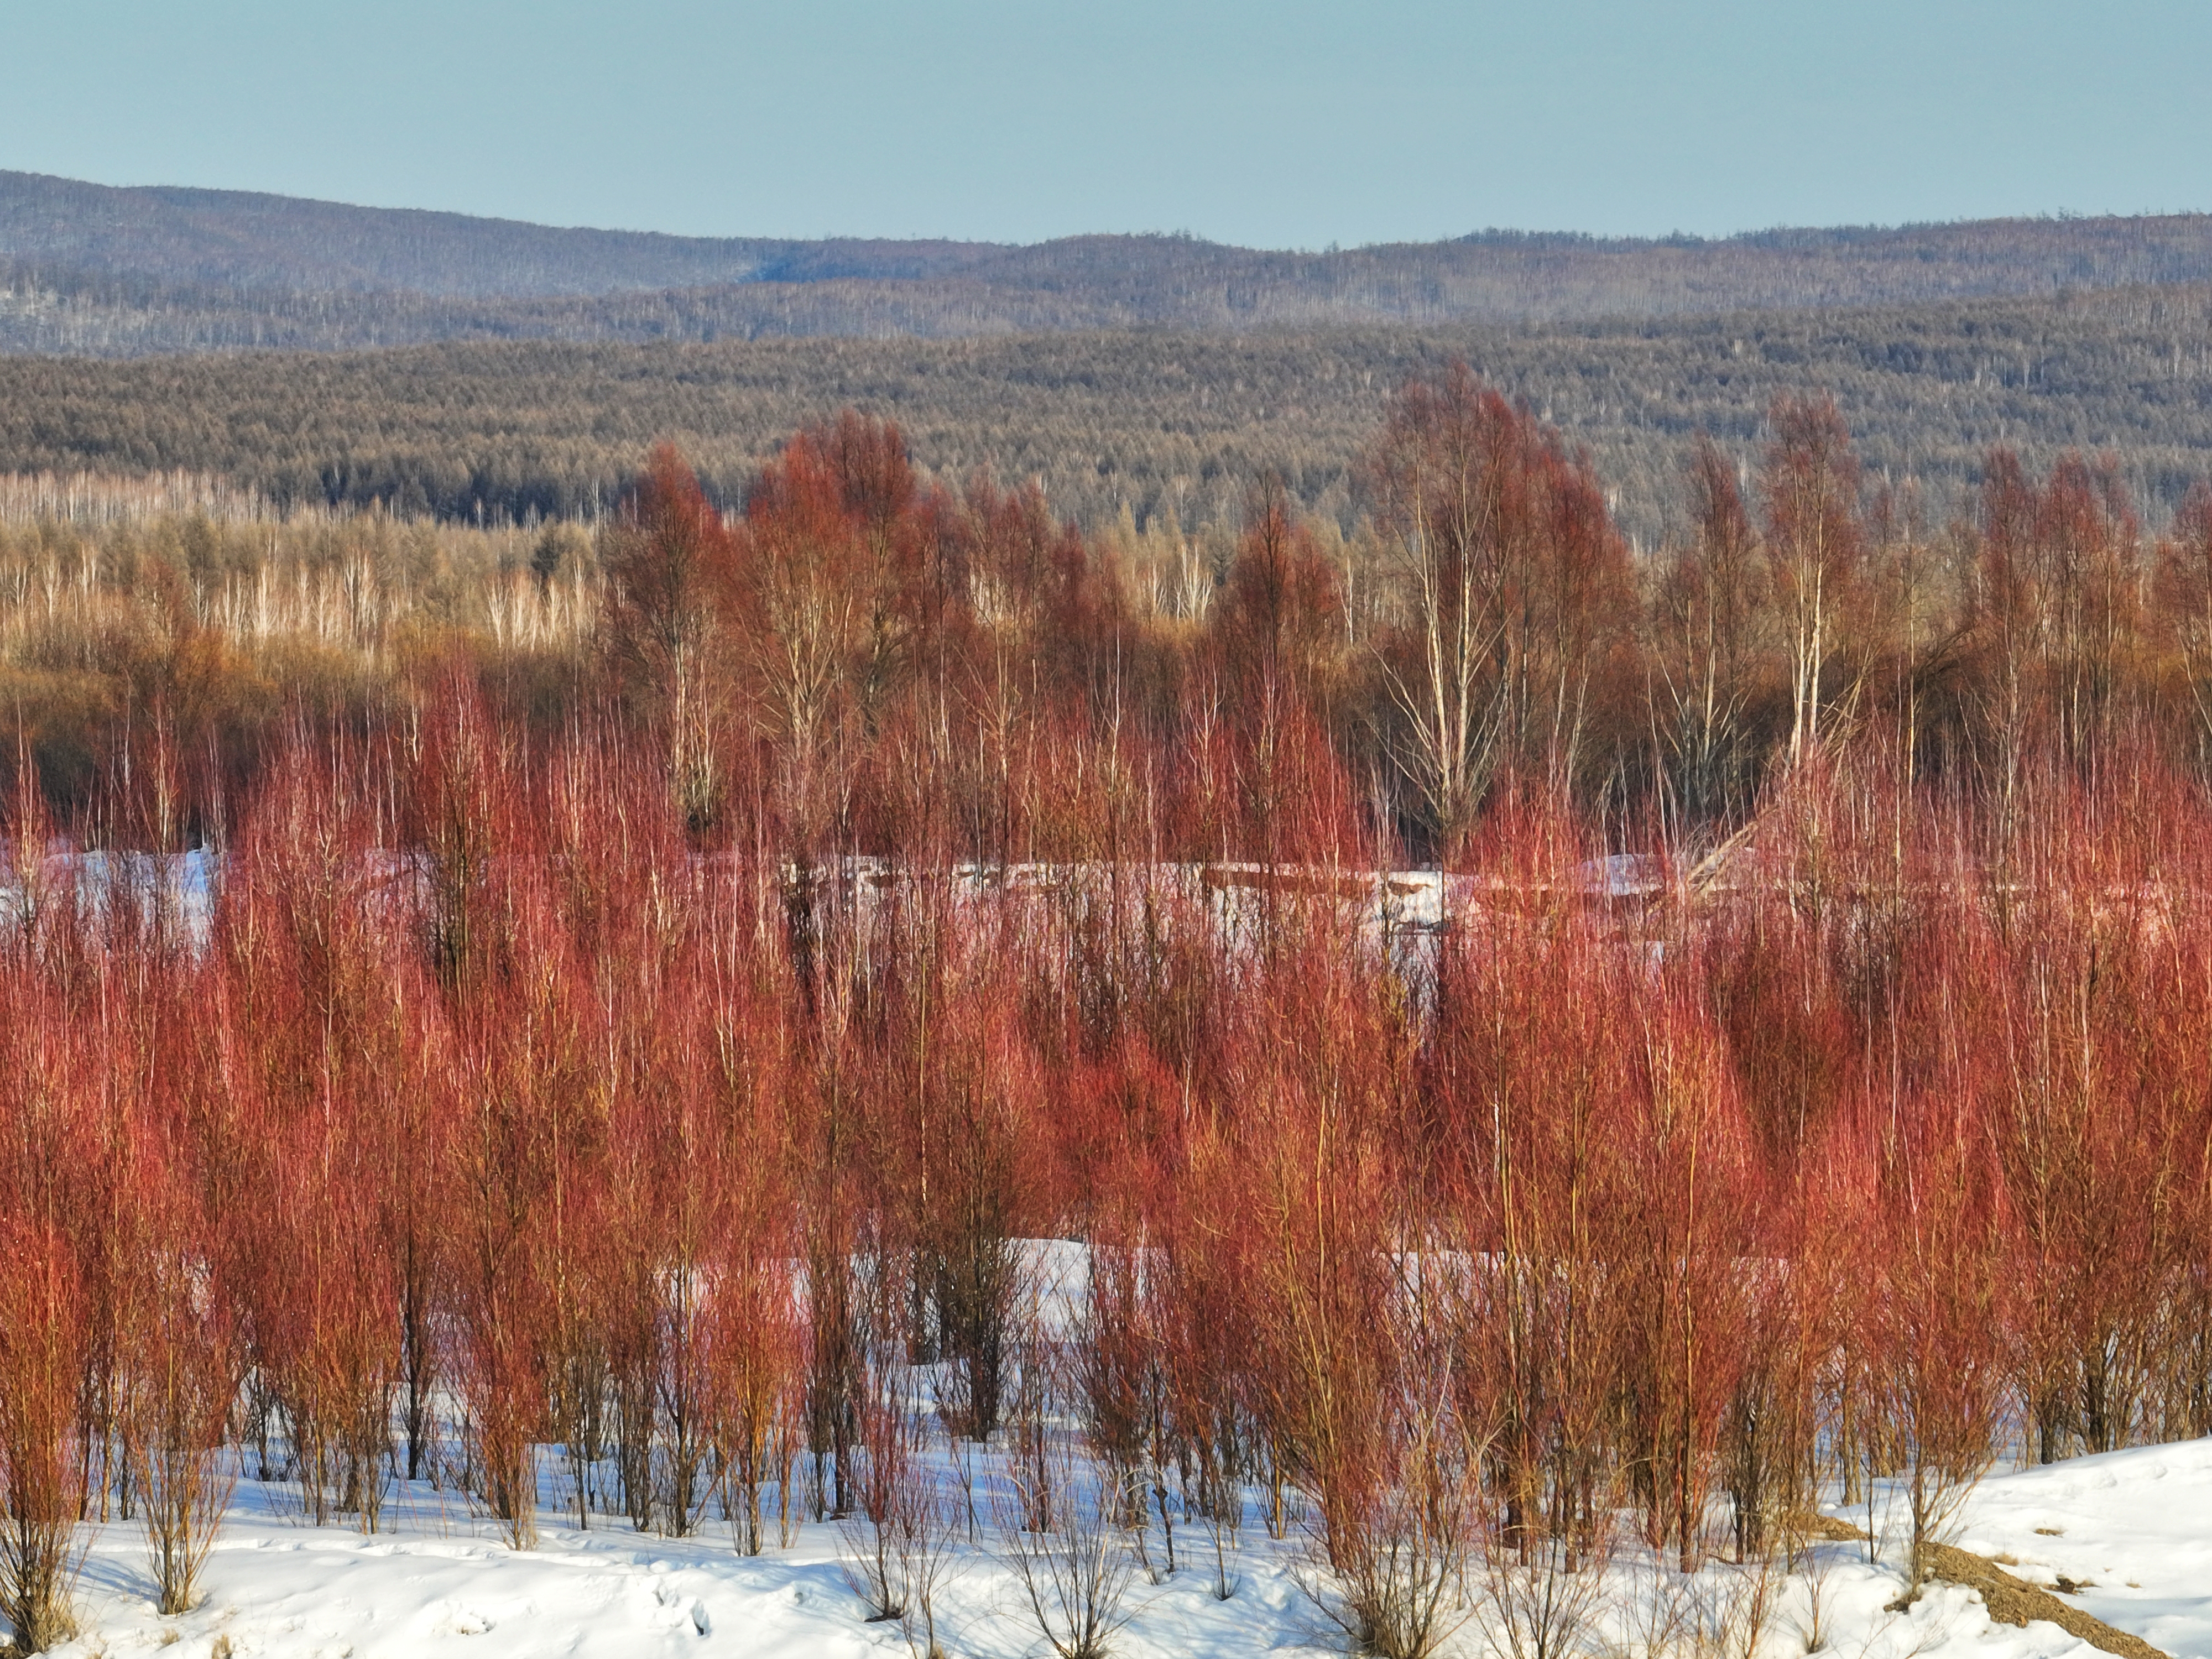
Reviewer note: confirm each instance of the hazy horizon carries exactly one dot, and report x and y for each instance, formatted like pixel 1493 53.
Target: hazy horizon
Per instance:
pixel 1534 232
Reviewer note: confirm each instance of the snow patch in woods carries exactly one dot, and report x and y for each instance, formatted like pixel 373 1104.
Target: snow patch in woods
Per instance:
pixel 185 889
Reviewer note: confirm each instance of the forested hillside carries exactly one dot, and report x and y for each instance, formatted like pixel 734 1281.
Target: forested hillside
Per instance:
pixel 1154 420
pixel 89 269
pixel 242 240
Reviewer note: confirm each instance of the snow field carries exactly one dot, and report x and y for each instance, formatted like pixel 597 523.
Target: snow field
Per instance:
pixel 2136 1526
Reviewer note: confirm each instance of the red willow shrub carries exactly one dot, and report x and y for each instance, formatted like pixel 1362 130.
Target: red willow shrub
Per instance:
pixel 670 1159
pixel 749 1266
pixel 759 1365
pixel 1355 1369
pixel 1686 1211
pixel 1527 1077
pixel 174 1343
pixel 1117 1380
pixel 2098 1146
pixel 309 1041
pixel 182 1359
pixel 57 1347
pixel 325 1325
pixel 1201 1317
pixel 42 1450
pixel 1933 1327
pixel 524 1074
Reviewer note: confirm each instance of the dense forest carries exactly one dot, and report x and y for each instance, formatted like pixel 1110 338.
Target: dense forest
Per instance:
pixel 1154 421
pixel 85 269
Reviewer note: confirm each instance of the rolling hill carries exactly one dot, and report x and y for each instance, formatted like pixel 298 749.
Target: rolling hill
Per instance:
pixel 90 270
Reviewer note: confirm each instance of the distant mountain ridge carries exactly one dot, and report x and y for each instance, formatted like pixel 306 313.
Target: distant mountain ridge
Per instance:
pixel 93 270
pixel 188 238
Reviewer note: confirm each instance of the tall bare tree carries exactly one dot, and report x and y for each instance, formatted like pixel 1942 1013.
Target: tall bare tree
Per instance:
pixel 1814 544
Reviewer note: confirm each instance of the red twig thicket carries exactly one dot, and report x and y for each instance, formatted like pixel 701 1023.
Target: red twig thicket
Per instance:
pixel 684 1117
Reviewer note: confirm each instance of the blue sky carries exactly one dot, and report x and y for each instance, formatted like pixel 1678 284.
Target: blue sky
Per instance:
pixel 1294 124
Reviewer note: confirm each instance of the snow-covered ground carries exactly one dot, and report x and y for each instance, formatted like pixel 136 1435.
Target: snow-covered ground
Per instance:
pixel 2132 1530
pixel 2134 1525
pixel 442 1584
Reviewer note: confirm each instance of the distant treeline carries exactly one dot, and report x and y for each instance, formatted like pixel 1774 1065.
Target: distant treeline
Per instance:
pixel 1155 421
pixel 98 271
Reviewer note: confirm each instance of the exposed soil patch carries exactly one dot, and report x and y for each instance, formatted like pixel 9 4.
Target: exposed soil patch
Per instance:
pixel 2010 1600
